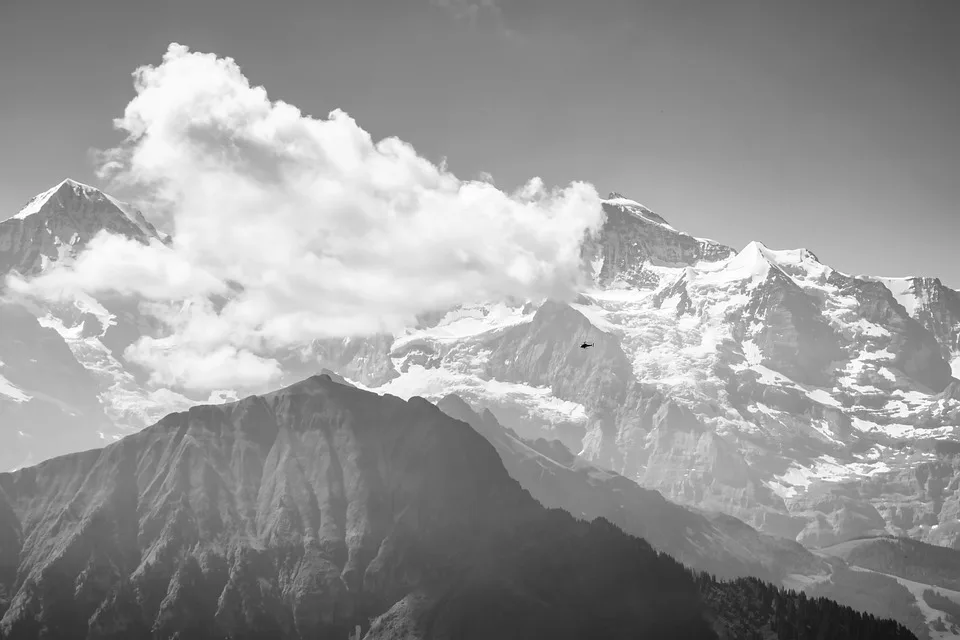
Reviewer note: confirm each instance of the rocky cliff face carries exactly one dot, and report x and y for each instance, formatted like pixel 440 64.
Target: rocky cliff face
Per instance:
pixel 635 241
pixel 935 306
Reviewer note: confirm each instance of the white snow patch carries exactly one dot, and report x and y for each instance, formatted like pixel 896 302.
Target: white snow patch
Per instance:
pixel 752 353
pixel 12 391
pixel 596 266
pixel 623 202
pixel 769 376
pixel 868 328
pixel 86 304
pixel 596 316
pixel 912 397
pixel 467 322
pixel 821 427
pixel 796 475
pixel 869 468
pixel 750 264
pixel 888 374
pixel 882 354
pixel 903 431
pixel 863 425
pixel 434 384
pixel 903 291
pixel 823 397
pixel 619 295
pixel 36 203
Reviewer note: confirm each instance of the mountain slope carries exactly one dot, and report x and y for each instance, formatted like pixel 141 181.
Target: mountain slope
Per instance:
pixel 555 477
pixel 718 544
pixel 308 511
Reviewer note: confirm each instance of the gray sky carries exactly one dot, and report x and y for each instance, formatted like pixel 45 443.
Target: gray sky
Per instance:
pixel 823 124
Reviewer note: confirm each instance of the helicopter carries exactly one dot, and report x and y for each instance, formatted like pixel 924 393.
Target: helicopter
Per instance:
pixel 586 345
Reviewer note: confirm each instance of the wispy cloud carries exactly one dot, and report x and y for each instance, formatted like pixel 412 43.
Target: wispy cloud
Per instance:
pixel 467 9
pixel 474 11
pixel 289 228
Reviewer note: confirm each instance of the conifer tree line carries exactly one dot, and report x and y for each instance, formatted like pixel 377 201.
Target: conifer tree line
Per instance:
pixel 756 610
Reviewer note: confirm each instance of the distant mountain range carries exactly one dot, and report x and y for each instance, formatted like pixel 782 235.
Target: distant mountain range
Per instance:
pixel 814 406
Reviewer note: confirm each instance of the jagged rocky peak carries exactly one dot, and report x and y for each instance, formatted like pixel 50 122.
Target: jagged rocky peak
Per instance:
pixel 635 242
pixel 618 201
pixel 935 305
pixel 61 221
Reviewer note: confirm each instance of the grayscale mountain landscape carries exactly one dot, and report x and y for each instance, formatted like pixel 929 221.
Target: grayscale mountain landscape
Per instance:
pixel 479 320
pixel 749 413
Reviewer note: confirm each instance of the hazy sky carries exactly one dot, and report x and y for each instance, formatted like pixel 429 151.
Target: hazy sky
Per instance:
pixel 823 124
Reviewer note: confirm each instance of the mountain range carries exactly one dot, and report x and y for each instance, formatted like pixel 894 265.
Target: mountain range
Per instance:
pixel 322 510
pixel 771 411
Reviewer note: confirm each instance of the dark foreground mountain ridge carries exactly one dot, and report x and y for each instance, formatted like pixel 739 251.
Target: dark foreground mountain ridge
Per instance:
pixel 306 512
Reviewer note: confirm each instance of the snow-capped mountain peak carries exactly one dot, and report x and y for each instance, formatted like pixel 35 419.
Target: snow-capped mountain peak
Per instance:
pixel 39 201
pixel 751 263
pixel 635 244
pixel 754 262
pixel 636 209
pixel 62 220
pixel 68 198
pixel 618 200
pixel 63 196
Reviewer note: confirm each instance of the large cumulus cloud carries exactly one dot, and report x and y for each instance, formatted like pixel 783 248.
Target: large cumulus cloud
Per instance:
pixel 308 226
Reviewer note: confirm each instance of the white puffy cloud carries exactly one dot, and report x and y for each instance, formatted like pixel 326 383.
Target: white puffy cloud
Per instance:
pixel 319 230
pixel 117 264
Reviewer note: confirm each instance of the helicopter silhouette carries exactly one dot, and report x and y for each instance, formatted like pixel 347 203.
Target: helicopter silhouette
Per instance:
pixel 586 345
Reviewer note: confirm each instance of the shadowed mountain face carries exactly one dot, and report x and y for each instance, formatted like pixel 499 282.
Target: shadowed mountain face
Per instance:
pixel 307 511
pixel 720 545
